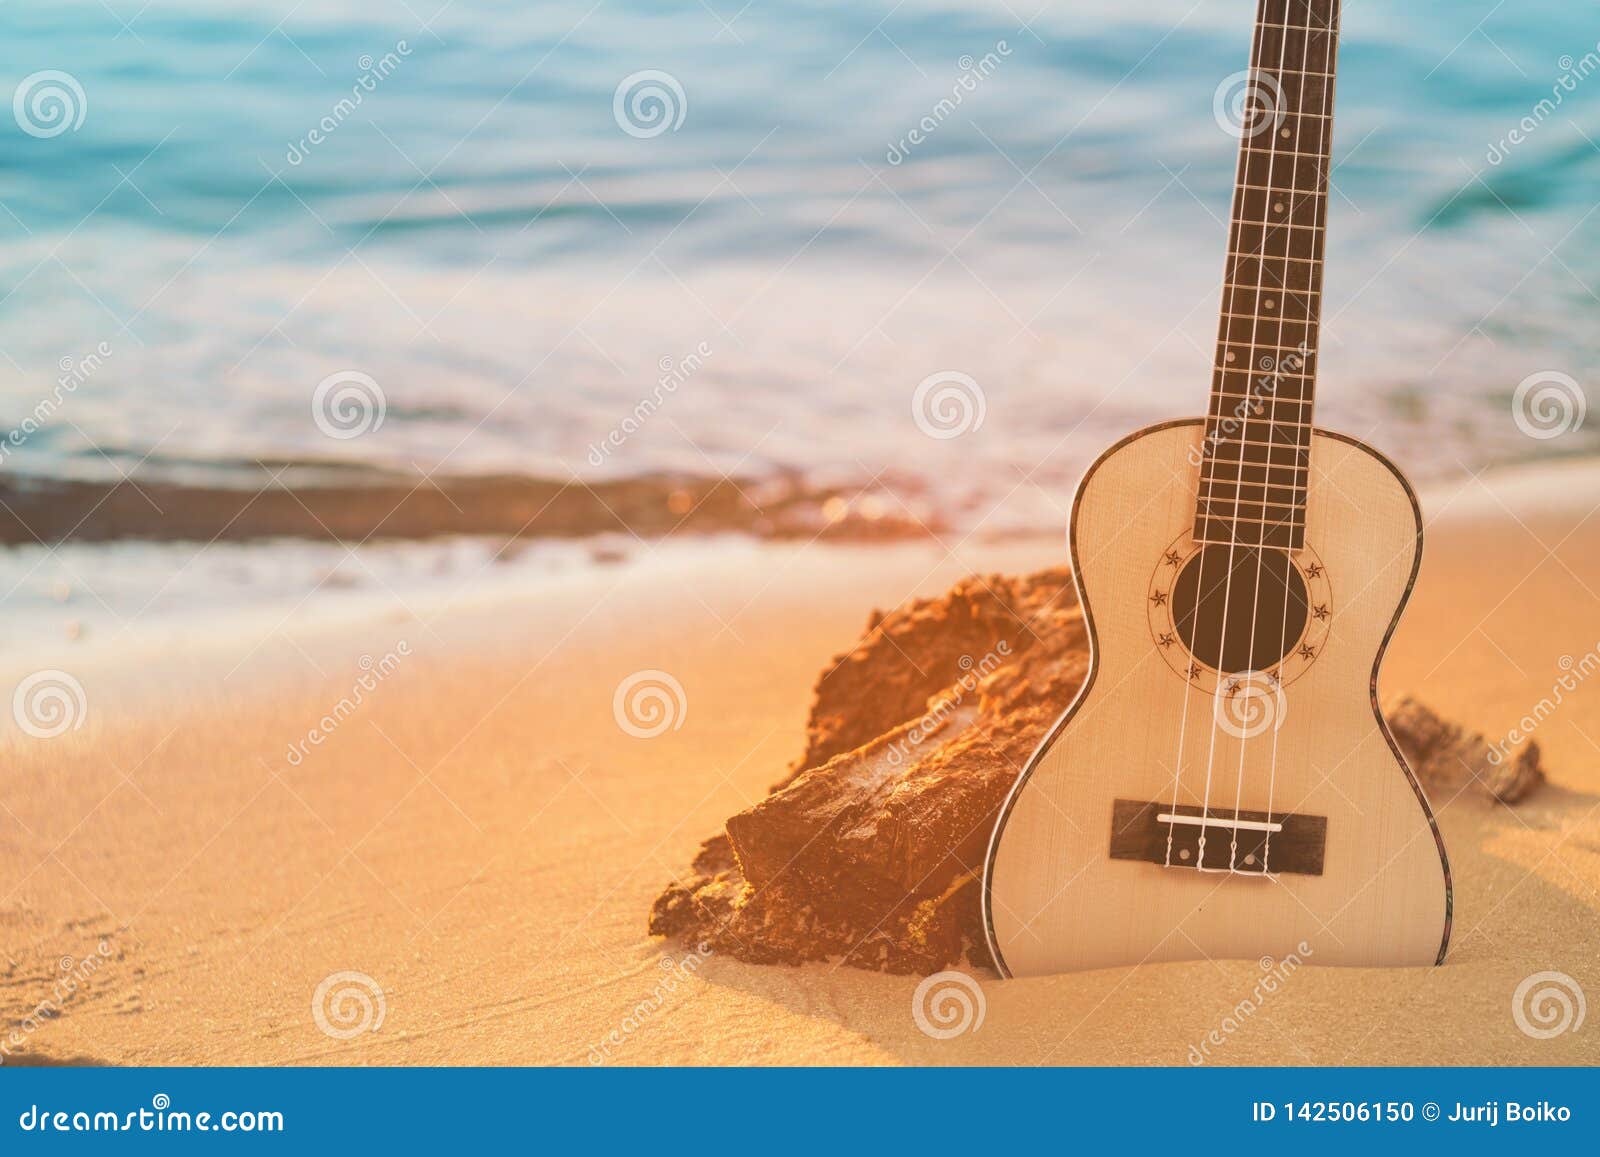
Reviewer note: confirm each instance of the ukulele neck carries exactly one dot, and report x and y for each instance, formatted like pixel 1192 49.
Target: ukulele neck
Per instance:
pixel 1255 455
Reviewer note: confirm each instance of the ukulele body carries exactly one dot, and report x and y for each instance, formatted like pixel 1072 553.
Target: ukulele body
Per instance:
pixel 1083 872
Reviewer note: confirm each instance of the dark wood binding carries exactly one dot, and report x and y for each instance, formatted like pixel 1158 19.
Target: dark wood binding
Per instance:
pixel 1258 430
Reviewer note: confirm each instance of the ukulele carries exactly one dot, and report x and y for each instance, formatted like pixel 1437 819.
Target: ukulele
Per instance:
pixel 1224 786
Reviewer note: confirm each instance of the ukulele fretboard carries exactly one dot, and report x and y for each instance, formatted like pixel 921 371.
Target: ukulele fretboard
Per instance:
pixel 1255 457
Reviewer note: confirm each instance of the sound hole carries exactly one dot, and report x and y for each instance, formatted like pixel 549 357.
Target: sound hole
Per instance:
pixel 1239 613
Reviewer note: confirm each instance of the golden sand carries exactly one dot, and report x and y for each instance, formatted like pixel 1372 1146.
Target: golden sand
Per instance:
pixel 480 841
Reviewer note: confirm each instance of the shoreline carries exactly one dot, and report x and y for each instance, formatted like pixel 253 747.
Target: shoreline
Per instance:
pixel 527 569
pixel 482 839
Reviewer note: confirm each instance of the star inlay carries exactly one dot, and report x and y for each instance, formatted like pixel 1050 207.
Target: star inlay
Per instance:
pixel 1166 640
pixel 1194 671
pixel 1313 570
pixel 1159 598
pixel 1173 558
pixel 1320 612
pixel 1307 651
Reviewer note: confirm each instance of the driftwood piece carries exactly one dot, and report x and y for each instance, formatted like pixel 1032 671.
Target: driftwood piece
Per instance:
pixel 870 851
pixel 1449 759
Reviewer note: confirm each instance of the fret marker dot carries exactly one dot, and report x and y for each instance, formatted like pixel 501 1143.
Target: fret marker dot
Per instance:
pixel 1250 859
pixel 1183 853
pixel 1284 134
pixel 1229 356
pixel 1271 304
pixel 1278 208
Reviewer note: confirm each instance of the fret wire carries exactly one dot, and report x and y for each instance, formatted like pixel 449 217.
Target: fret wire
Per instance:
pixel 1242 256
pixel 1280 421
pixel 1237 482
pixel 1213 418
pixel 1277 224
pixel 1277 151
pixel 1275 373
pixel 1293 538
pixel 1215 439
pixel 1284 523
pixel 1233 465
pixel 1270 319
pixel 1230 416
pixel 1266 398
pixel 1292 516
pixel 1299 460
pixel 1252 372
pixel 1257 500
pixel 1241 501
pixel 1319 116
pixel 1269 421
pixel 1297 505
pixel 1298 469
pixel 1293 72
pixel 1297 447
pixel 1280 189
pixel 1268 290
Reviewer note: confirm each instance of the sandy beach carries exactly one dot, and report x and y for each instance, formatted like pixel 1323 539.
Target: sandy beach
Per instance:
pixel 481 841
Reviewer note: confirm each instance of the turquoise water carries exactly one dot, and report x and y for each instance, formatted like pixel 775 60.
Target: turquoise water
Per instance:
pixel 482 238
